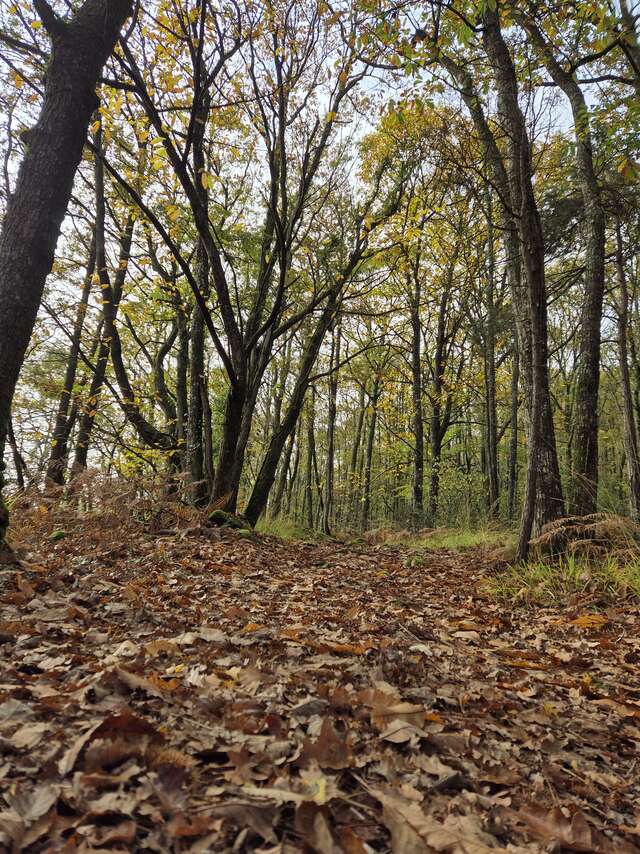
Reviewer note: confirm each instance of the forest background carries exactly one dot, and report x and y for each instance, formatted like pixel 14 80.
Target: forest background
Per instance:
pixel 347 265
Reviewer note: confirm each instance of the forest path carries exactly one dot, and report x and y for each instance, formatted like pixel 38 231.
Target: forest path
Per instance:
pixel 192 691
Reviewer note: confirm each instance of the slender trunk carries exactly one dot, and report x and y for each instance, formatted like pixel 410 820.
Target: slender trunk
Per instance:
pixel 437 424
pixel 182 400
pixel 207 437
pixel 354 484
pixel 18 461
pixel 266 476
pixel 58 455
pixel 435 439
pixel 417 487
pixel 513 442
pixel 162 393
pixel 198 491
pixel 79 49
pixel 490 374
pixel 331 428
pixel 276 507
pixel 90 410
pixel 308 481
pixel 630 427
pixel 294 476
pixel 371 435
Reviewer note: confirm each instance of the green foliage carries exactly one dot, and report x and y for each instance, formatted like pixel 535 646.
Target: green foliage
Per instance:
pixel 286 529
pixel 607 580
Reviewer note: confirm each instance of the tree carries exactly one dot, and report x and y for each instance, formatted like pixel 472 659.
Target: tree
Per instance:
pixel 80 47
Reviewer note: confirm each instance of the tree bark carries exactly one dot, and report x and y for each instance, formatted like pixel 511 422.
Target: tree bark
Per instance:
pixel 542 467
pixel 198 491
pixel 80 48
pixel 490 374
pixel 630 428
pixel 513 440
pixel 547 502
pixel 584 474
pixel 331 430
pixel 368 465
pixel 354 485
pixel 417 486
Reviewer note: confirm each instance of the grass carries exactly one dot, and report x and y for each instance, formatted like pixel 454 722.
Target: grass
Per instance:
pixel 542 582
pixel 467 539
pixel 453 539
pixel 286 529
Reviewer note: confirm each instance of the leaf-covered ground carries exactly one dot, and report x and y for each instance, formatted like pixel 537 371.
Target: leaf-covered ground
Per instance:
pixel 196 690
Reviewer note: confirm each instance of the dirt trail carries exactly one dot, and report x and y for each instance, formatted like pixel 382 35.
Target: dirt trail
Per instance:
pixel 203 691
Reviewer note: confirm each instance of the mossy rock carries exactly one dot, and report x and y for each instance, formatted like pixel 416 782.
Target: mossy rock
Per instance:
pixel 221 519
pixel 58 535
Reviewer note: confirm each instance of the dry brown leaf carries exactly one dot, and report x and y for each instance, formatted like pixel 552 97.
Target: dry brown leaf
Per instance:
pixel 330 750
pixel 413 830
pixel 572 833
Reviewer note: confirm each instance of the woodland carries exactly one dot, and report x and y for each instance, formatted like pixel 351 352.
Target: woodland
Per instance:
pixel 319 413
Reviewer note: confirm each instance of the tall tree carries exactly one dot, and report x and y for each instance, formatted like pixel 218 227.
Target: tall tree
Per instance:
pixel 80 47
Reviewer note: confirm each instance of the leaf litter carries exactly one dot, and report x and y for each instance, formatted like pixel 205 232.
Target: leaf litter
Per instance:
pixel 196 693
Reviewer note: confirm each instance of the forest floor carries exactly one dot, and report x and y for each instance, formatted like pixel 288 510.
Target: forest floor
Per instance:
pixel 189 689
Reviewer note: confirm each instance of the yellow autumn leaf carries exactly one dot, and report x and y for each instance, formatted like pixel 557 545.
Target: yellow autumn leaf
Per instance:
pixel 589 621
pixel 251 627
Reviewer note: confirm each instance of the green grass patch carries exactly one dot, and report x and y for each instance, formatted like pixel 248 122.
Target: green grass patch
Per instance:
pixel 448 538
pixel 467 539
pixel 609 578
pixel 285 529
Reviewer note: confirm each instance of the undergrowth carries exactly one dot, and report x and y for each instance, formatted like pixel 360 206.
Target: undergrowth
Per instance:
pixel 548 582
pixel 467 539
pixel 451 538
pixel 285 528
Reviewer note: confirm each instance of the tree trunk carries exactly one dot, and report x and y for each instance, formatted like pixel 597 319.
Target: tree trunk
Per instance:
pixel 490 374
pixel 275 508
pixel 548 503
pixel 266 476
pixel 630 427
pixel 308 481
pixel 198 491
pixel 198 488
pixel 331 428
pixel 584 475
pixel 513 441
pixel 354 486
pixel 542 467
pixel 80 48
pixel 417 486
pixel 18 460
pixel 111 296
pixel 371 435
pixel 207 437
pixel 59 443
pixel 182 399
